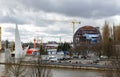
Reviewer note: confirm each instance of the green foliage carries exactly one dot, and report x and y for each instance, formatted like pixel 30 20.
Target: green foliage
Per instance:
pixel 59 48
pixel 63 47
pixel 7 42
pixel 66 46
pixel 42 50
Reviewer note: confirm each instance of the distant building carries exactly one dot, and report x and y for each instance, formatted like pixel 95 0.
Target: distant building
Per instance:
pixel 87 34
pixel 51 47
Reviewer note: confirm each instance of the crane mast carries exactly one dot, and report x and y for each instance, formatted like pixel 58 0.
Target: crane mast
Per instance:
pixel 0 39
pixel 73 23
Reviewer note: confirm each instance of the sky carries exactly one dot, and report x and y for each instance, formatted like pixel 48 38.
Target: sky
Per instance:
pixel 50 20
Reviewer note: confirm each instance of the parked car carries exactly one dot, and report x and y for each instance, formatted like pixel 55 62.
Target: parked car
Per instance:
pixel 53 59
pixel 76 57
pixel 84 57
pixel 102 56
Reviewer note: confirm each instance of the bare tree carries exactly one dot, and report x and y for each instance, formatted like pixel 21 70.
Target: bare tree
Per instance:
pixel 82 49
pixel 117 34
pixel 39 69
pixel 106 32
pixel 107 41
pixel 16 69
pixel 97 49
pixel 114 66
pixel 114 46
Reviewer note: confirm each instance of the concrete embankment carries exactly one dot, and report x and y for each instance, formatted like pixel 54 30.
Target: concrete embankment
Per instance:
pixel 65 65
pixel 77 67
pixel 81 64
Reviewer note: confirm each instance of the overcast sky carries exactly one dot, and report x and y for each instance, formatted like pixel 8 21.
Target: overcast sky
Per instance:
pixel 51 19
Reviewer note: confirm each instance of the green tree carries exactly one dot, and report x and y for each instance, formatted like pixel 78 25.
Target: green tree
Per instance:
pixel 63 47
pixel 7 42
pixel 66 46
pixel 59 48
pixel 42 50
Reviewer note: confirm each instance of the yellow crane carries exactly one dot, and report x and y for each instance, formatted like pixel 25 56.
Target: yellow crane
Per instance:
pixel 73 23
pixel 0 38
pixel 68 21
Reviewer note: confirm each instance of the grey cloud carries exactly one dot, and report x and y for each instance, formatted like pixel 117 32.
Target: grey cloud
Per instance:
pixel 80 8
pixel 12 16
pixel 17 16
pixel 11 32
pixel 10 29
pixel 42 22
pixel 24 34
pixel 74 8
pixel 9 19
pixel 61 31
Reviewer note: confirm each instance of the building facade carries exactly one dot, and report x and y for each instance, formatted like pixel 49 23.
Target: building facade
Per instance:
pixel 51 47
pixel 87 35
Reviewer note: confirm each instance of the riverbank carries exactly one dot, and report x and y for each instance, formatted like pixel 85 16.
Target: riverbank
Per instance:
pixel 71 64
pixel 79 66
pixel 64 65
pixel 76 67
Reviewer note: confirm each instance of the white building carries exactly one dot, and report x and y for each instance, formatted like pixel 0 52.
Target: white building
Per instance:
pixel 51 47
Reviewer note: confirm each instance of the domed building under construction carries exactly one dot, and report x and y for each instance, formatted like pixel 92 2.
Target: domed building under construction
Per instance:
pixel 86 35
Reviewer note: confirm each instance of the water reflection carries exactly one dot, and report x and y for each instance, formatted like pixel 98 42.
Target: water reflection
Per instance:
pixel 76 73
pixel 2 59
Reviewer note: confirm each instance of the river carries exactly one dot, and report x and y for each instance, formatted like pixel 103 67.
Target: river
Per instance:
pixel 2 59
pixel 61 72
pixel 76 73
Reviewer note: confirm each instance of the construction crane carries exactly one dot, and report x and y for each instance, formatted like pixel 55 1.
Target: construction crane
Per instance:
pixel 0 38
pixel 73 23
pixel 68 21
pixel 65 21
